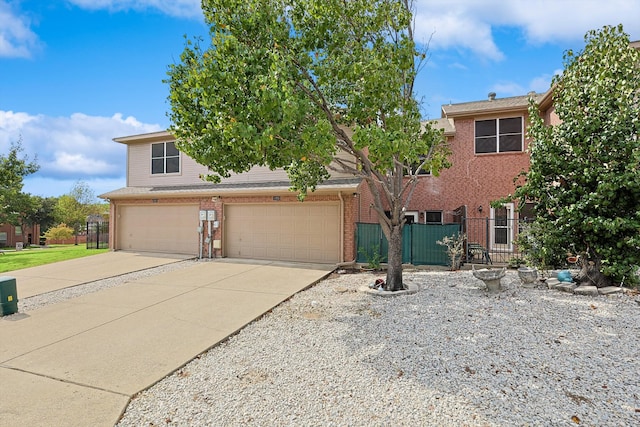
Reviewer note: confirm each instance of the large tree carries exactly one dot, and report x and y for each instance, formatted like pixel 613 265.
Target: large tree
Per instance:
pixel 585 171
pixel 291 83
pixel 73 209
pixel 13 169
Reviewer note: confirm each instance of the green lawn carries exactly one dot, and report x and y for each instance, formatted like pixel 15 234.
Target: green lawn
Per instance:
pixel 32 257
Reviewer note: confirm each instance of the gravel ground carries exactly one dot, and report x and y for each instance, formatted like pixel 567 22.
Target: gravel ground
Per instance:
pixel 450 355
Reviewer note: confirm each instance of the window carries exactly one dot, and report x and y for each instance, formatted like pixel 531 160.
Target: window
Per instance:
pixel 499 135
pixel 165 158
pixel 18 230
pixel 433 217
pixel 423 171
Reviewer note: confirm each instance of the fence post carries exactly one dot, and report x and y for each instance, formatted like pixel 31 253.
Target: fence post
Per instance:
pixel 487 236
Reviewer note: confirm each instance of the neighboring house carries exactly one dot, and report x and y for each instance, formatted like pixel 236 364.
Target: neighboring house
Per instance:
pixel 488 144
pixel 12 234
pixel 257 217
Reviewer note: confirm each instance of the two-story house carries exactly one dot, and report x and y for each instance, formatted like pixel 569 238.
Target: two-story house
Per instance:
pixel 257 217
pixel 249 215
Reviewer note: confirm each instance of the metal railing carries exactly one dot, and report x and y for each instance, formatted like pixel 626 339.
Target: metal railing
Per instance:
pixel 492 240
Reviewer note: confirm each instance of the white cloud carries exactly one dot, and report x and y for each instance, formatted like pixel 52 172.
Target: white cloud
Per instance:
pixel 470 25
pixel 16 38
pixel 181 8
pixel 75 147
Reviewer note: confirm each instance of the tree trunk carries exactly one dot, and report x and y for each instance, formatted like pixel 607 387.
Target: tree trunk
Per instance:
pixel 394 266
pixel 590 274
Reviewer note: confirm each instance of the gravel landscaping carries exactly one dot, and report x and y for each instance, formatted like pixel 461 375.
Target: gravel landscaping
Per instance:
pixel 449 355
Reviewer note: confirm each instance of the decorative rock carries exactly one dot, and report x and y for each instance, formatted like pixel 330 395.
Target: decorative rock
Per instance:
pixel 586 290
pixel 552 283
pixel 566 287
pixel 608 290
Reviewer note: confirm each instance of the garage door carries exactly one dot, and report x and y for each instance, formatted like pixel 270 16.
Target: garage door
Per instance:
pixel 158 228
pixel 305 232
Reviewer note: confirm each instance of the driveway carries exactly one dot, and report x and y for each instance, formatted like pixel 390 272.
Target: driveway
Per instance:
pixel 51 277
pixel 78 362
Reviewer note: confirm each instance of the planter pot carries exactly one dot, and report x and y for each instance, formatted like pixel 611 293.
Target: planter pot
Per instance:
pixel 528 277
pixel 491 278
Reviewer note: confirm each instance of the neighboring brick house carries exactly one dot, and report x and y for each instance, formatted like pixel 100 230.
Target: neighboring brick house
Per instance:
pixel 12 234
pixel 256 216
pixel 488 144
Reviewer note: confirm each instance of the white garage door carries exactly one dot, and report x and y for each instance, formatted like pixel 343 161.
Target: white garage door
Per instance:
pixel 304 232
pixel 158 228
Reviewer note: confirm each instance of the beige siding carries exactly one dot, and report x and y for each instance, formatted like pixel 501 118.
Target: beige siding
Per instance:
pixel 139 171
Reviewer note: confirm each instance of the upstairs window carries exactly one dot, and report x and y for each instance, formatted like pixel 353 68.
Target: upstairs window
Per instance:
pixel 499 135
pixel 165 158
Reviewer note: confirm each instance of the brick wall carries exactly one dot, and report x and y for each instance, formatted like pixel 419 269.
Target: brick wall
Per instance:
pixel 473 180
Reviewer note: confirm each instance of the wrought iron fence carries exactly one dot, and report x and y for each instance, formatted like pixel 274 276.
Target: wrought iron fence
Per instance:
pixel 493 240
pixel 98 235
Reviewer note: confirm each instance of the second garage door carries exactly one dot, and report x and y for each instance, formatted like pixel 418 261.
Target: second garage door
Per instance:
pixel 158 228
pixel 304 232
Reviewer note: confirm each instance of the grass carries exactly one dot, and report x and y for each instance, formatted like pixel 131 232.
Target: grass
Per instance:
pixel 32 257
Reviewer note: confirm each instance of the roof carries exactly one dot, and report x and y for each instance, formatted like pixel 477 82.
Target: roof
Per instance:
pixel 445 124
pixel 145 137
pixel 491 105
pixel 210 189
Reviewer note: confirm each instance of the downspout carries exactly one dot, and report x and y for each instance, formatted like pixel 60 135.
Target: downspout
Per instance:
pixel 341 227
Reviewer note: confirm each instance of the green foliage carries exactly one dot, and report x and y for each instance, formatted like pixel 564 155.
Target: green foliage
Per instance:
pixel 74 208
pixel 291 84
pixel 585 172
pixel 373 257
pixel 455 248
pixel 13 168
pixel 59 232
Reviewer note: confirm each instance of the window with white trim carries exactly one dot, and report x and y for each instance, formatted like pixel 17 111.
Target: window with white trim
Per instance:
pixel 499 135
pixel 165 158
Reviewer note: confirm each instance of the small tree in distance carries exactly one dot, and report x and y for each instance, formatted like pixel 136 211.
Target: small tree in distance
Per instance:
pixel 73 209
pixel 291 84
pixel 584 176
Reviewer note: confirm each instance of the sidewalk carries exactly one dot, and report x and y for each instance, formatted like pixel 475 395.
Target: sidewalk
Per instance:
pixel 78 362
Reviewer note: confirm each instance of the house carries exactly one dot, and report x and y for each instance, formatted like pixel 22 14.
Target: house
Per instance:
pixel 167 207
pixel 12 234
pixel 250 215
pixel 488 144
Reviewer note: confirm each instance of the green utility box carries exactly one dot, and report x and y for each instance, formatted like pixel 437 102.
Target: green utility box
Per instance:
pixel 8 296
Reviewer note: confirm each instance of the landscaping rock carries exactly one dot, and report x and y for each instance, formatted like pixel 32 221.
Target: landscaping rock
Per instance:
pixel 608 290
pixel 552 283
pixel 586 290
pixel 566 287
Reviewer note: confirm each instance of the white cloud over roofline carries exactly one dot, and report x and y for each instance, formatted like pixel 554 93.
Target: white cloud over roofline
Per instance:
pixel 76 147
pixel 469 25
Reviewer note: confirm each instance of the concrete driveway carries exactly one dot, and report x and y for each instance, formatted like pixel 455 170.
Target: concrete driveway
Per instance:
pixel 78 362
pixel 51 277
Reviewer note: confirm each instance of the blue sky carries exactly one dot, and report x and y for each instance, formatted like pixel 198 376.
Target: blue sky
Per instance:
pixel 74 74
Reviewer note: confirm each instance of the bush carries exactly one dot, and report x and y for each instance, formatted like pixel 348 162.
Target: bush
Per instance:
pixel 59 232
